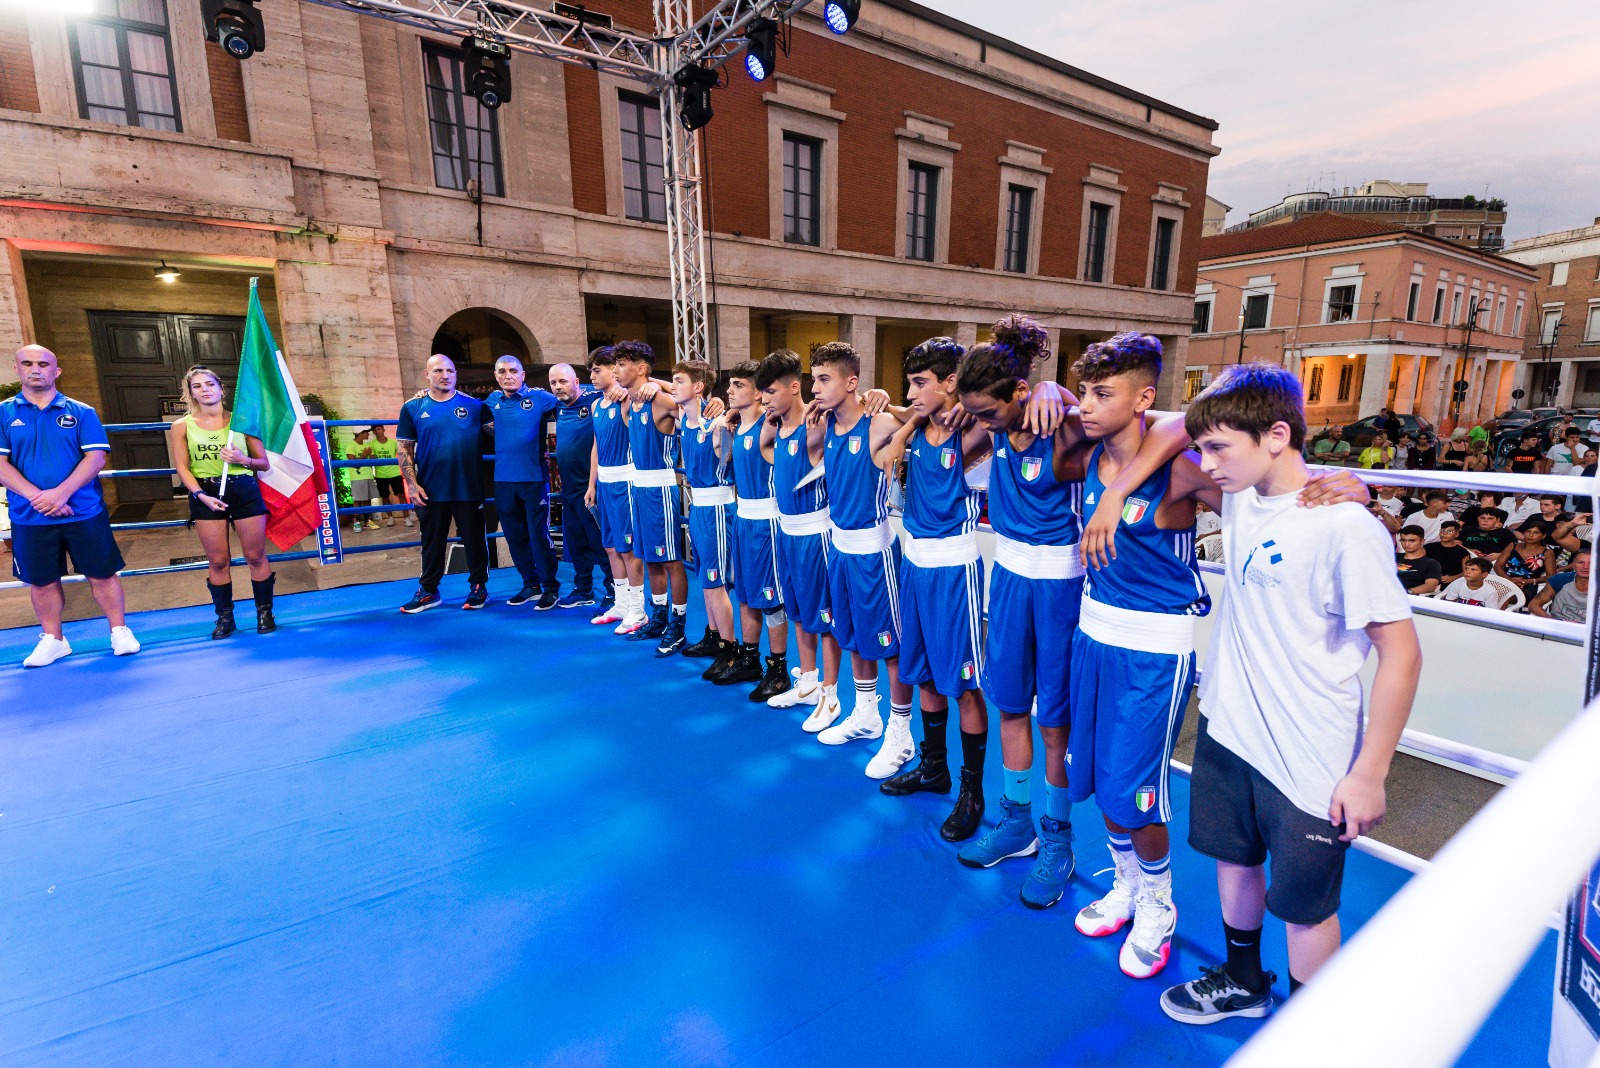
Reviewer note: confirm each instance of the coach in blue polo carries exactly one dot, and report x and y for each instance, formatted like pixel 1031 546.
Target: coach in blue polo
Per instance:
pixel 580 531
pixel 52 449
pixel 521 416
pixel 440 440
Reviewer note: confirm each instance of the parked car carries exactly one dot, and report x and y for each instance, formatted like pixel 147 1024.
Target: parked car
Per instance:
pixel 1507 438
pixel 1360 433
pixel 1523 416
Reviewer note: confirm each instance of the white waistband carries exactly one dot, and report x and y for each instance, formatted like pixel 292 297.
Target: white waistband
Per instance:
pixel 1147 632
pixel 706 496
pixel 956 551
pixel 758 508
pixel 809 523
pixel 867 542
pixel 1038 561
pixel 619 473
pixel 666 476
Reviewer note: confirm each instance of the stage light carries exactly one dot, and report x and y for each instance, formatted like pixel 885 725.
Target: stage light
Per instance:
pixel 761 48
pixel 488 71
pixel 695 82
pixel 840 15
pixel 167 274
pixel 235 25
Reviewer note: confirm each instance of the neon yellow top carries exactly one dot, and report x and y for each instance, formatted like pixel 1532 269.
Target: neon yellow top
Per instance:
pixel 205 449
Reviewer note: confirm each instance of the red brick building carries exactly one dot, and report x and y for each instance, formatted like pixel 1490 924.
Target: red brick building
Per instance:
pixel 1563 333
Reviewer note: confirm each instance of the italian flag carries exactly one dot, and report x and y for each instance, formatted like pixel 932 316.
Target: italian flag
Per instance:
pixel 266 405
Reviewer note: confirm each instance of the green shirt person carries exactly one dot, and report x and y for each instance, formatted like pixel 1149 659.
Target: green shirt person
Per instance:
pixel 1332 449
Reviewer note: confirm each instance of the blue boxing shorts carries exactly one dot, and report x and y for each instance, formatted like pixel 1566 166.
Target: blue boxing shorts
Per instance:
pixel 755 567
pixel 614 505
pixel 803 570
pixel 710 535
pixel 941 623
pixel 1128 706
pixel 655 522
pixel 1029 648
pixel 864 598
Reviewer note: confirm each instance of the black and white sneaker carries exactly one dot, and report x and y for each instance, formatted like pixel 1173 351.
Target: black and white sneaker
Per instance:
pixel 477 596
pixel 576 599
pixel 523 596
pixel 1215 996
pixel 547 600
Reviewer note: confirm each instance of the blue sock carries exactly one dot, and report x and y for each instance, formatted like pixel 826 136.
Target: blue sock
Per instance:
pixel 1016 790
pixel 1120 842
pixel 1056 805
pixel 1155 868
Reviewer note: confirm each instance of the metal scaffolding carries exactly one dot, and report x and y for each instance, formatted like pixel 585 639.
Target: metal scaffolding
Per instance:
pixel 679 40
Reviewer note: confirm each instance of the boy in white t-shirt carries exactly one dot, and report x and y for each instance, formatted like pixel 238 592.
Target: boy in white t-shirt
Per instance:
pixel 1284 769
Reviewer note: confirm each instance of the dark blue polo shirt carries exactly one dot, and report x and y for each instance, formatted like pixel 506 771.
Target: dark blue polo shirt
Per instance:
pixel 575 442
pixel 449 445
pixel 45 444
pixel 519 429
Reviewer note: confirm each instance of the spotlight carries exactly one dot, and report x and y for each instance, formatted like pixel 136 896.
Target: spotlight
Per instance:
pixel 696 82
pixel 761 48
pixel 840 15
pixel 488 71
pixel 235 25
pixel 167 274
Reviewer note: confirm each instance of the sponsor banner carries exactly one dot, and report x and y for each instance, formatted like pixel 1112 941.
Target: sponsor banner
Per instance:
pixel 329 542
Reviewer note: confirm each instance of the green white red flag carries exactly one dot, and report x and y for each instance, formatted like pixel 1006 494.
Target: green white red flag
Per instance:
pixel 267 406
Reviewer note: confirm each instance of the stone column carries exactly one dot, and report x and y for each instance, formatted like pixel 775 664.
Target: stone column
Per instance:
pixel 733 336
pixel 1048 369
pixel 16 319
pixel 861 331
pixel 1405 397
pixel 1568 370
pixel 967 334
pixel 1375 382
pixel 1174 364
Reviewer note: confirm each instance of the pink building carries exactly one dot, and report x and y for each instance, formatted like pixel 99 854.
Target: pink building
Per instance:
pixel 1368 314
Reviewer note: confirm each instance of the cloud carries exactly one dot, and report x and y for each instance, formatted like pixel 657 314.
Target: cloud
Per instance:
pixel 1469 97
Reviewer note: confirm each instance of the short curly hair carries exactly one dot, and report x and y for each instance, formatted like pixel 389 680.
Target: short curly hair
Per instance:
pixel 1127 353
pixel 635 352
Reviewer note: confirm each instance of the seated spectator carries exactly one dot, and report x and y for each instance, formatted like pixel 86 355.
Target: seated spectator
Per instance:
pixel 1433 514
pixel 1473 588
pixel 1529 563
pixel 1379 454
pixel 1519 508
pixel 1449 551
pixel 1477 456
pixel 1527 458
pixel 1389 506
pixel 1574 534
pixel 1480 500
pixel 1488 538
pixel 1552 509
pixel 1568 453
pixel 1331 448
pixel 1419 572
pixel 1569 602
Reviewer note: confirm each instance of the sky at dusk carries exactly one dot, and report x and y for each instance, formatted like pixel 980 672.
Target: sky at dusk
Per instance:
pixel 1470 96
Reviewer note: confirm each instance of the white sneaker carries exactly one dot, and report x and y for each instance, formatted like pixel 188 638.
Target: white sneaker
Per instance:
pixel 123 643
pixel 410 520
pixel 827 710
pixel 48 651
pixel 389 522
pixel 1112 912
pixel 897 748
pixel 863 722
pixel 1155 918
pixel 614 614
pixel 355 527
pixel 632 620
pixel 805 691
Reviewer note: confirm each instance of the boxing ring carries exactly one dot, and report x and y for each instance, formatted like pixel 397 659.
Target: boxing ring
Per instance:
pixel 500 837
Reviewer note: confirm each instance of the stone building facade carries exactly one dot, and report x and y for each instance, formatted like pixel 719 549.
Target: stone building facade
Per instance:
pixel 1368 314
pixel 1563 331
pixel 388 218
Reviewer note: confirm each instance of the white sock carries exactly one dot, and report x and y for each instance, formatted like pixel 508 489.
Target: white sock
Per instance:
pixel 679 609
pixel 636 599
pixel 900 710
pixel 620 586
pixel 658 599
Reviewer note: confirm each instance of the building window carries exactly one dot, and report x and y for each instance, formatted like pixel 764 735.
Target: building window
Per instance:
pixel 1558 272
pixel 465 135
pixel 1438 305
pixel 644 194
pixel 1094 256
pixel 1591 380
pixel 1500 317
pixel 1019 228
pixel 1412 301
pixel 1255 311
pixel 1516 321
pixel 1347 377
pixel 922 207
pixel 1341 304
pixel 122 62
pixel 1314 387
pixel 1592 331
pixel 1455 308
pixel 1161 261
pixel 802 189
pixel 1549 326
pixel 1202 316
pixel 1193 382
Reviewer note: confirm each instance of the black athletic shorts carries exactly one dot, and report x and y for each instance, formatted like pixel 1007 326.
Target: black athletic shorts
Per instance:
pixel 1237 816
pixel 39 551
pixel 243 498
pixel 392 484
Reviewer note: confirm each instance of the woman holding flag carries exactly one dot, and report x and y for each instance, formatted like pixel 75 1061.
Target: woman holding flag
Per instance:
pixel 218 466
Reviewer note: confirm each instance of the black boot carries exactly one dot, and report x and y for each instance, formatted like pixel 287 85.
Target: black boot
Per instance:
pixel 710 645
pixel 727 652
pixel 968 814
pixel 222 600
pixel 745 665
pixel 775 681
pixel 930 775
pixel 265 624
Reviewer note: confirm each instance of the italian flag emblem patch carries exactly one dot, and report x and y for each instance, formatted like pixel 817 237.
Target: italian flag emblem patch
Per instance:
pixel 1134 510
pixel 966 670
pixel 1031 468
pixel 884 639
pixel 947 458
pixel 1144 799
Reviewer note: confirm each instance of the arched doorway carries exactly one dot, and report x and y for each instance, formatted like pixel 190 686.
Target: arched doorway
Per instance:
pixel 475 337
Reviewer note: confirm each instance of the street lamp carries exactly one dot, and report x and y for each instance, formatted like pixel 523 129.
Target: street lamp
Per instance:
pixel 1475 308
pixel 1243 301
pixel 1548 344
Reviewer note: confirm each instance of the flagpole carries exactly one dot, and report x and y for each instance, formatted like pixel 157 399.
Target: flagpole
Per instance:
pixel 222 487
